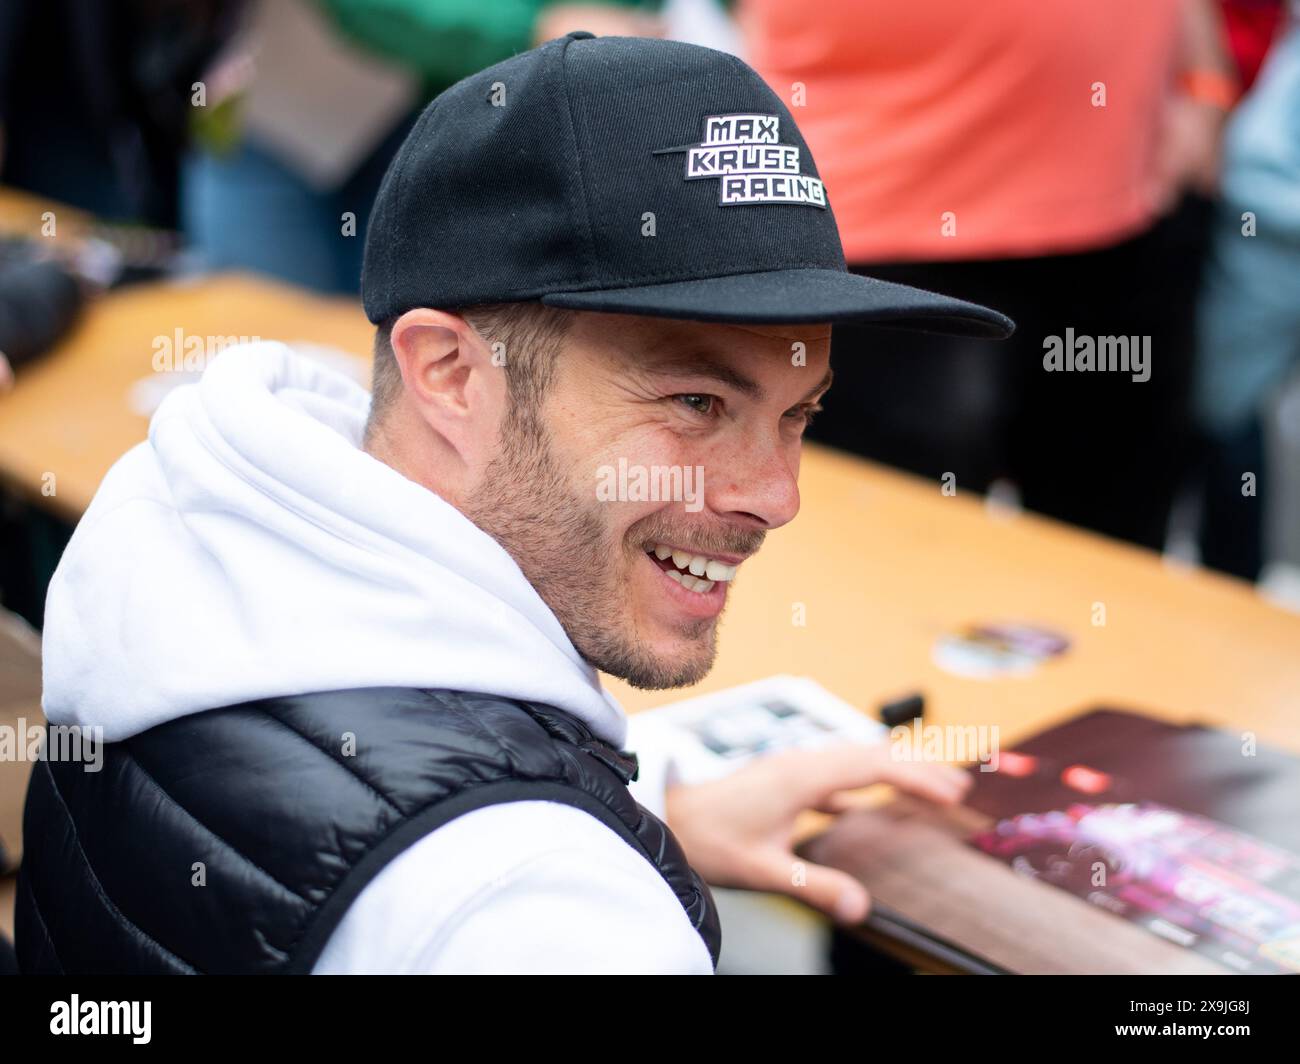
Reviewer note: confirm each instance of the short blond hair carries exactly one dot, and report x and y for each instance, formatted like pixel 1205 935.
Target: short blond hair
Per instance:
pixel 530 335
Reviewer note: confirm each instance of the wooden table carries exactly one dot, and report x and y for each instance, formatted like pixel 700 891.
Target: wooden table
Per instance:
pixel 25 215
pixel 69 415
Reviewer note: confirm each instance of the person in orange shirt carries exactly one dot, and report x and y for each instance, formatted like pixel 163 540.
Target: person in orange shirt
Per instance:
pixel 1032 157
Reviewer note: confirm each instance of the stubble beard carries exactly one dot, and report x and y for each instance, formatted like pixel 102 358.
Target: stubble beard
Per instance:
pixel 565 549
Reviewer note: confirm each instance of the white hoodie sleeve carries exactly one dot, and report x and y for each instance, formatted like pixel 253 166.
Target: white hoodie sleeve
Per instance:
pixel 531 887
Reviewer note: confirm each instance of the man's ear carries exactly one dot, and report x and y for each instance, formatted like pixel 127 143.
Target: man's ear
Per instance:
pixel 447 371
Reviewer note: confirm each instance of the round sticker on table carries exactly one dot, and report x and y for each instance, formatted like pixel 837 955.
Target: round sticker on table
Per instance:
pixel 987 651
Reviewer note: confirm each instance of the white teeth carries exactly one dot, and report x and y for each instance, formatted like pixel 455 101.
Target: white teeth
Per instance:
pixel 718 571
pixel 706 570
pixel 689 582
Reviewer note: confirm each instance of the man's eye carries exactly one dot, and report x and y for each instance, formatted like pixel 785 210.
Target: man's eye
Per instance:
pixel 701 404
pixel 804 414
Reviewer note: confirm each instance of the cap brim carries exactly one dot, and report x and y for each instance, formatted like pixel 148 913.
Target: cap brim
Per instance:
pixel 779 297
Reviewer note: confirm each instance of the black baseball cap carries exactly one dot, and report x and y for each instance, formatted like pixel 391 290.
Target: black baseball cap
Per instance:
pixel 624 175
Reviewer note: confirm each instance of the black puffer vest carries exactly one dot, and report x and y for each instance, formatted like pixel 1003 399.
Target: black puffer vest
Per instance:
pixel 234 840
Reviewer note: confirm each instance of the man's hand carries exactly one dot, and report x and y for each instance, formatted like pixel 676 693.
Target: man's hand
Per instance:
pixel 739 831
pixel 6 375
pixel 1190 140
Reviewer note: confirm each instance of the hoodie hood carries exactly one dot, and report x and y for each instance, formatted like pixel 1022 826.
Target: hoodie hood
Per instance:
pixel 250 548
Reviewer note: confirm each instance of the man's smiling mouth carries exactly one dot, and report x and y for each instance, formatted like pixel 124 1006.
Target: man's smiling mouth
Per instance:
pixel 695 572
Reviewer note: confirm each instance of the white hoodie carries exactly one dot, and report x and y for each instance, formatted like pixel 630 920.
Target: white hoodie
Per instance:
pixel 250 548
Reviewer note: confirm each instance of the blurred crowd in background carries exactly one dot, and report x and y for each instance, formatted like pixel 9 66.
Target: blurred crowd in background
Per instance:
pixel 1110 167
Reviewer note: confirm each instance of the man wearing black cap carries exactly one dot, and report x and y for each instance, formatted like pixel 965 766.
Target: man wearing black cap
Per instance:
pixel 344 652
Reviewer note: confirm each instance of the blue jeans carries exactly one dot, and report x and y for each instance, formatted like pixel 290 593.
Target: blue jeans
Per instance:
pixel 250 211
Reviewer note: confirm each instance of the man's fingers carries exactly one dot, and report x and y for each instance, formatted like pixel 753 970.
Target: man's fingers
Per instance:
pixel 814 776
pixel 836 803
pixel 944 784
pixel 830 891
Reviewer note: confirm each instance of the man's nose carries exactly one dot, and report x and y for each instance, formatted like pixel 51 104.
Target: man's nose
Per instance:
pixel 758 483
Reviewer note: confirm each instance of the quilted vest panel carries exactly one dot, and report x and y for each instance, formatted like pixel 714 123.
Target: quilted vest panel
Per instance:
pixel 286 808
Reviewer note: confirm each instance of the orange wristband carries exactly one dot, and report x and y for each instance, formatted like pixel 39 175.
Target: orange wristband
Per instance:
pixel 1210 86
